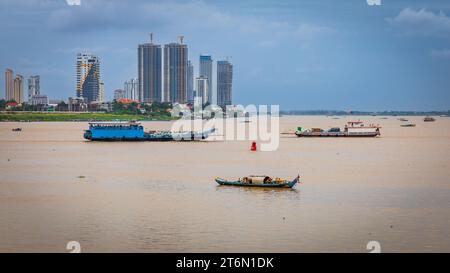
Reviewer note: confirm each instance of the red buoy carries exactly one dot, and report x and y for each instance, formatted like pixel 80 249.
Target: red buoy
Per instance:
pixel 254 148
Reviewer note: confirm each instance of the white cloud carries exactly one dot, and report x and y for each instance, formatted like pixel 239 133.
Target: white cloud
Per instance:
pixel 422 22
pixel 73 2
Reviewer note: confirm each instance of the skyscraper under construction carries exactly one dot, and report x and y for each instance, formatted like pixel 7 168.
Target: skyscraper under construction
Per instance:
pixel 175 72
pixel 149 72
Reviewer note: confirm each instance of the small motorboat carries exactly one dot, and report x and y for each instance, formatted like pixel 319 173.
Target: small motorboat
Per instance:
pixel 17 130
pixel 403 119
pixel 259 181
pixel 408 125
pixel 429 119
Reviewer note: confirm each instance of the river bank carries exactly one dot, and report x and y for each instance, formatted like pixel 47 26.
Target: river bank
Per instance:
pixel 77 117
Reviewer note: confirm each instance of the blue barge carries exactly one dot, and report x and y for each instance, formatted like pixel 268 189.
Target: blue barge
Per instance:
pixel 134 131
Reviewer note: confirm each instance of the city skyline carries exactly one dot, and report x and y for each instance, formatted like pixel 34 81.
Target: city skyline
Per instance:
pixel 300 55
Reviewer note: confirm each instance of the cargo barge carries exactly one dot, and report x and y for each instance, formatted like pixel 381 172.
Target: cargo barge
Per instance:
pixel 352 129
pixel 134 131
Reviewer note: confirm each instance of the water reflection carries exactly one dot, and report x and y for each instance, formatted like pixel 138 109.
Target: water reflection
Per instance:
pixel 283 193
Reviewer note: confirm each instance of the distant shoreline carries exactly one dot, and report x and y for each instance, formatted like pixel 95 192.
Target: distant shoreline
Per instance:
pixel 363 113
pixel 76 117
pixel 99 116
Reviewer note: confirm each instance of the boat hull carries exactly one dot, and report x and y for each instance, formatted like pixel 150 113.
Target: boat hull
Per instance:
pixel 327 134
pixel 157 137
pixel 224 182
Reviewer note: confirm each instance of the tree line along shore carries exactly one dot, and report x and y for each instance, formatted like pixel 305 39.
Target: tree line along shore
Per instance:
pixel 63 116
pixel 13 112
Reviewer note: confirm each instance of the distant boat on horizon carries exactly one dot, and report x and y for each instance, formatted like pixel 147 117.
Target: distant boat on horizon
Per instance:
pixel 408 125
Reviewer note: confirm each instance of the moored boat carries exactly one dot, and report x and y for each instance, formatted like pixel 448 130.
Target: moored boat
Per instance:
pixel 352 129
pixel 429 119
pixel 259 181
pixel 408 125
pixel 134 131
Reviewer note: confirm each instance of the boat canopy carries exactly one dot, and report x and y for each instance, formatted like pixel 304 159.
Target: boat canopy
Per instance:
pixel 355 122
pixel 114 123
pixel 334 130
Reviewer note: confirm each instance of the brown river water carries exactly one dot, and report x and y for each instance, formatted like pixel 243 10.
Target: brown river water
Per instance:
pixel 161 197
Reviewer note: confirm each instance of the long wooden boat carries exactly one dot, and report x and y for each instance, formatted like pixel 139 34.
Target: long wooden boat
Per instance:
pixel 259 181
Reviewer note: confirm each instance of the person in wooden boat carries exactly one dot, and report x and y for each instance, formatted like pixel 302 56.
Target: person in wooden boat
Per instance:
pixel 267 180
pixel 247 180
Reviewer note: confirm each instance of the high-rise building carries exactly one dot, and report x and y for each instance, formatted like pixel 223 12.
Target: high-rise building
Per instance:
pixel 205 70
pixel 190 84
pixel 224 83
pixel 119 94
pixel 77 105
pixel 18 89
pixel 9 85
pixel 202 90
pixel 175 72
pixel 101 96
pixel 33 87
pixel 39 100
pixel 88 77
pixel 149 72
pixel 132 89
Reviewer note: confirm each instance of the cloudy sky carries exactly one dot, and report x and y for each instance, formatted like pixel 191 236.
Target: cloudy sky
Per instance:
pixel 306 54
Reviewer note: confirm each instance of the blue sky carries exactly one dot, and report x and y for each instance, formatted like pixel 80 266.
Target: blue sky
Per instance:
pixel 306 55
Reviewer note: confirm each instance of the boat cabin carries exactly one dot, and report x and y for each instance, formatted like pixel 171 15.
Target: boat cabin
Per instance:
pixel 114 130
pixel 260 179
pixel 115 125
